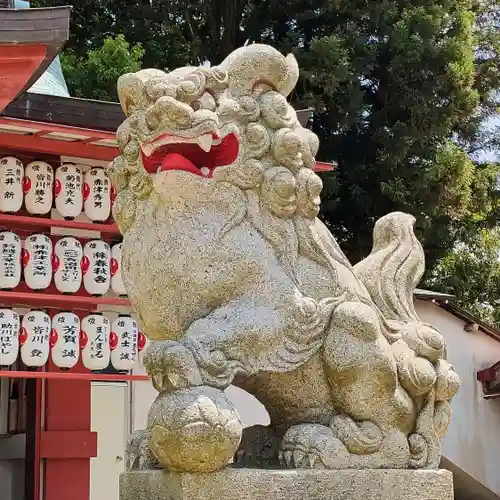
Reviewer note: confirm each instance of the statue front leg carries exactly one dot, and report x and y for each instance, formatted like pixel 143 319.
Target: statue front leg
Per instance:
pixel 193 426
pixel 258 334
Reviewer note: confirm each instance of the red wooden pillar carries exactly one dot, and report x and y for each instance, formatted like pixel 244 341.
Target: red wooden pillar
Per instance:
pixel 32 467
pixel 67 443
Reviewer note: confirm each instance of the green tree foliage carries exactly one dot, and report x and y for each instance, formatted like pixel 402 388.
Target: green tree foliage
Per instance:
pixel 471 268
pixel 487 62
pixel 472 272
pixel 401 90
pixel 94 75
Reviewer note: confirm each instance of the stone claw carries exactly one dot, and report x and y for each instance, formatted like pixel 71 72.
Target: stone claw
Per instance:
pixel 313 459
pixel 299 459
pixel 171 366
pixel 312 446
pixel 137 452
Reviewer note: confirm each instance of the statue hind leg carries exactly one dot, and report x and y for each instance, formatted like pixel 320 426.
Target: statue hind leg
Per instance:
pixel 373 415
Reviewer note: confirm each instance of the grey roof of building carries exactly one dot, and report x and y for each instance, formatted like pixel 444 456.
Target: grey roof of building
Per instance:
pixel 447 302
pixel 82 113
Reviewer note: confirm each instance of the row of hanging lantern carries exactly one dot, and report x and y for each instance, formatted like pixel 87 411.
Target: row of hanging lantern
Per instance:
pixel 69 263
pixel 98 341
pixel 72 190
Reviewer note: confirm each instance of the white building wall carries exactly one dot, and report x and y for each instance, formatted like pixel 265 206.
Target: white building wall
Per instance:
pixel 473 439
pixel 12 479
pixel 142 395
pixel 109 418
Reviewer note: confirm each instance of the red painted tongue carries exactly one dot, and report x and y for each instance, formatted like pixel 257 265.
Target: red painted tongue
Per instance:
pixel 175 161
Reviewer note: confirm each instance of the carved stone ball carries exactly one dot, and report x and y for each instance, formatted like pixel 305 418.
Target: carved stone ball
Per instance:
pixel 194 430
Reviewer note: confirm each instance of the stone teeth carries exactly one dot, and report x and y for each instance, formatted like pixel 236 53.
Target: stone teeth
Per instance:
pixel 205 142
pixel 205 171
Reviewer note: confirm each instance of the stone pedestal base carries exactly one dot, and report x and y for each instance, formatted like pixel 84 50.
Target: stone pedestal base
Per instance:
pixel 301 484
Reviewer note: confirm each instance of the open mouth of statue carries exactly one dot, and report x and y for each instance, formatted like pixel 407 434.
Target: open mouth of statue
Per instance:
pixel 198 155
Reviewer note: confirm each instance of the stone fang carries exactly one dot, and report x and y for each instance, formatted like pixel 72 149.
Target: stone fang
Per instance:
pixel 205 142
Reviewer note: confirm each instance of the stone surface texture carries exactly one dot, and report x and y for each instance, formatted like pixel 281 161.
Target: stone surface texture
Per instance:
pixel 236 281
pixel 254 484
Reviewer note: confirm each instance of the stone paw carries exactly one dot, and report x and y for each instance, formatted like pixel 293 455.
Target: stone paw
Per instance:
pixel 137 452
pixel 312 446
pixel 171 366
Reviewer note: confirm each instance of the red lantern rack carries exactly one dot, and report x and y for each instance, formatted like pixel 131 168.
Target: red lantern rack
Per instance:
pixel 25 224
pixel 96 377
pixel 44 224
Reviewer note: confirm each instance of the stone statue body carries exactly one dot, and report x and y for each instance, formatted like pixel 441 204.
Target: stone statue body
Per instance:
pixel 236 281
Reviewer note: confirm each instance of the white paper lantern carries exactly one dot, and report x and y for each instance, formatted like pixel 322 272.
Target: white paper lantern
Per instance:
pixel 116 270
pixel 97 195
pixel 123 342
pixel 9 336
pixel 34 338
pixel 96 267
pixel 68 254
pixel 10 260
pixel 37 261
pixel 11 184
pixel 65 340
pixel 69 191
pixel 38 186
pixel 94 342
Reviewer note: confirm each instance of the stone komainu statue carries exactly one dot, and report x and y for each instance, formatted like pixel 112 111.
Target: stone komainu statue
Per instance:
pixel 236 281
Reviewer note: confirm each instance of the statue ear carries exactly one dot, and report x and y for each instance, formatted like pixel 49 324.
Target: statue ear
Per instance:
pixel 130 91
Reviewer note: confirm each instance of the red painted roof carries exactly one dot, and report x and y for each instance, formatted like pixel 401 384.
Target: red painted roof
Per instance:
pixel 29 41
